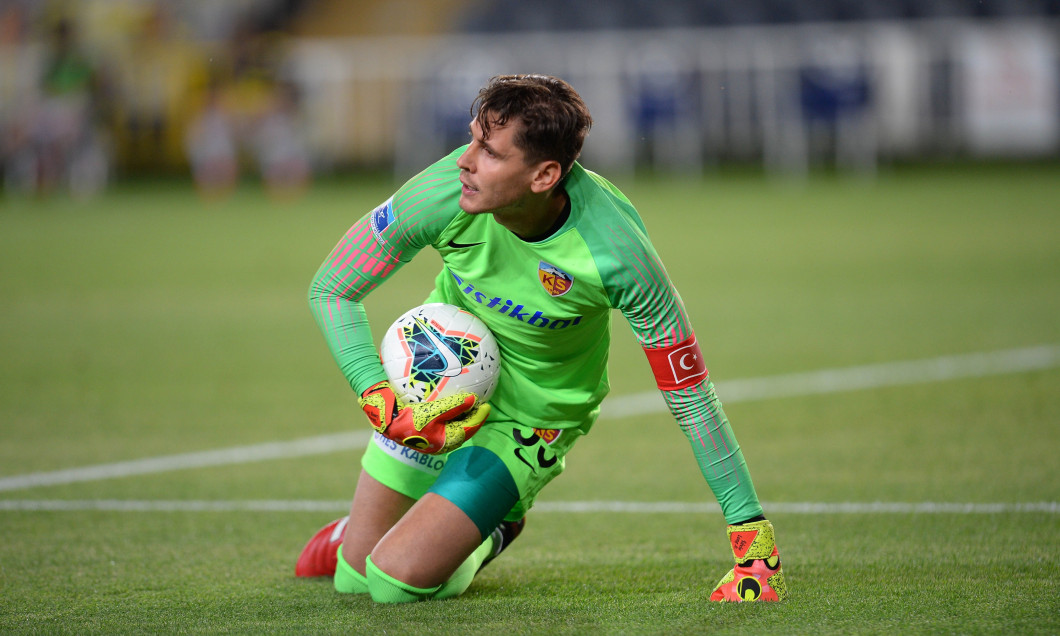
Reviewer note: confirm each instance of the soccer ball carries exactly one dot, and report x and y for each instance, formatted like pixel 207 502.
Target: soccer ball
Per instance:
pixel 436 350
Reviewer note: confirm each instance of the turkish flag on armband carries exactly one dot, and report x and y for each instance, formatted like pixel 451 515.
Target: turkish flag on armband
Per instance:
pixel 678 366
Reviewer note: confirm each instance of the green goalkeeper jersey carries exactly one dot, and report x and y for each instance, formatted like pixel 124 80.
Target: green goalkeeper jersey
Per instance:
pixel 547 302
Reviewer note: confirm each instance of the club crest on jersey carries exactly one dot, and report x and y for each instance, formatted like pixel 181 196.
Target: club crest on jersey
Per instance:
pixel 382 217
pixel 555 281
pixel 548 435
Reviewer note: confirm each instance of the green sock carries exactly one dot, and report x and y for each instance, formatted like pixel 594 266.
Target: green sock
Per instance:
pixel 386 589
pixel 347 580
pixel 461 579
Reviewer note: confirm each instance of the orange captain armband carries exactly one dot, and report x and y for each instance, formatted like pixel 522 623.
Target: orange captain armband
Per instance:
pixel 678 366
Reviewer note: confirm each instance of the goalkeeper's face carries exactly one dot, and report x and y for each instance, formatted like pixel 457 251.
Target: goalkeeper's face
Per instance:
pixel 494 174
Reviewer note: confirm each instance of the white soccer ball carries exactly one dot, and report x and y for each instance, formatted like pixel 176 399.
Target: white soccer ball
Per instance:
pixel 436 350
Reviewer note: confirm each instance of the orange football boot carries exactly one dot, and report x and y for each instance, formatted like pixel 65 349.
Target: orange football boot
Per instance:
pixel 319 557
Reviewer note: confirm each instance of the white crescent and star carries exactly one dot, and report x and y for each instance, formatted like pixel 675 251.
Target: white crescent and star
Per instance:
pixel 687 366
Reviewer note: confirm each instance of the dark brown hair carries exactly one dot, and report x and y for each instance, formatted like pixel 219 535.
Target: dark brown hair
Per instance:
pixel 552 116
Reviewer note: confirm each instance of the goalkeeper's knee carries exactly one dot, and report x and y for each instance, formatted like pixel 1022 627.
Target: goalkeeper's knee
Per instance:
pixel 386 589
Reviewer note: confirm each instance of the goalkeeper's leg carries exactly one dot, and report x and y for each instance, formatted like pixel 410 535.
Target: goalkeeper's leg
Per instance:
pixel 375 509
pixel 427 549
pixel 433 553
pixel 436 548
pixel 322 554
pixel 431 522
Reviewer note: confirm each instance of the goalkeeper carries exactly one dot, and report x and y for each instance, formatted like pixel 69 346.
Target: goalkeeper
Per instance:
pixel 541 250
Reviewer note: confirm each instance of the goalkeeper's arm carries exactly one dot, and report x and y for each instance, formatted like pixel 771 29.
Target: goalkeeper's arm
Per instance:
pixel 357 265
pixel 699 413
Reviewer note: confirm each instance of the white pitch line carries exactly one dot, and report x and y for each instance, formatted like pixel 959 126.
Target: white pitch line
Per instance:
pixel 318 445
pixel 803 508
pixel 567 507
pixel 870 376
pixel 731 391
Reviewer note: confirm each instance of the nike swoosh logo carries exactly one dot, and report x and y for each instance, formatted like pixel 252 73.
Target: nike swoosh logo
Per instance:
pixel 519 456
pixel 455 245
pixel 525 441
pixel 452 363
pixel 543 461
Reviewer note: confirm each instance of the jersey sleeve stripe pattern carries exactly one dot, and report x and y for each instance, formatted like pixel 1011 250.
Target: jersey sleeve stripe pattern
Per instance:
pixel 645 280
pixel 702 419
pixel 637 284
pixel 361 254
pixel 365 257
pixel 354 268
pixel 700 404
pixel 419 205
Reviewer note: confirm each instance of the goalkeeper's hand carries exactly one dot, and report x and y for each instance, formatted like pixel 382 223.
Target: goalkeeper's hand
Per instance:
pixel 432 427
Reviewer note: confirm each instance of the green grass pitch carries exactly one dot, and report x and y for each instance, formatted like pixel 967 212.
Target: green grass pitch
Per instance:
pixel 147 323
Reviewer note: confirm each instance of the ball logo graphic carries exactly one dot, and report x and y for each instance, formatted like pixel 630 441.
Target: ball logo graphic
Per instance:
pixel 438 349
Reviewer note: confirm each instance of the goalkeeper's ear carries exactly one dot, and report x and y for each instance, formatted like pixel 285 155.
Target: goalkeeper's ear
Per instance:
pixel 547 174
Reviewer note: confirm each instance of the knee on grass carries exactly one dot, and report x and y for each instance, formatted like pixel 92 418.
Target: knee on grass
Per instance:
pixel 384 588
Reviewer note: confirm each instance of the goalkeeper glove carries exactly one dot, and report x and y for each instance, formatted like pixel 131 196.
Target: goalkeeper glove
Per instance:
pixel 757 575
pixel 433 427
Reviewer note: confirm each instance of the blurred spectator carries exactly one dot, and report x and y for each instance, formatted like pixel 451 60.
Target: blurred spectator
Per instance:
pixel 58 143
pixel 249 111
pixel 211 148
pixel 279 142
pixel 156 79
pixel 20 72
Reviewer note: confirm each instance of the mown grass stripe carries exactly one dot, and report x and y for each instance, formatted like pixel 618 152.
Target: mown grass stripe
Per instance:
pixel 570 507
pixel 789 385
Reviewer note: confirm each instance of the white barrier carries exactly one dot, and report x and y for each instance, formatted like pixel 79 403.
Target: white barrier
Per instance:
pixel 785 96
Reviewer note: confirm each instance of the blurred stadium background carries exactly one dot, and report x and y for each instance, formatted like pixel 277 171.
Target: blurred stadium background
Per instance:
pixel 165 393
pixel 97 90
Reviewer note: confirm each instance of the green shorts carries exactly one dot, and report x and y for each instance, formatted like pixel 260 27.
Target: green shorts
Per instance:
pixel 534 457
